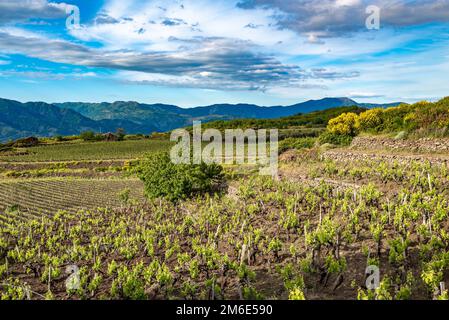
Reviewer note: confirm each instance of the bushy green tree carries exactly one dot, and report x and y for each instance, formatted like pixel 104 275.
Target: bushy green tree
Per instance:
pixel 165 179
pixel 88 136
pixel 120 133
pixel 59 138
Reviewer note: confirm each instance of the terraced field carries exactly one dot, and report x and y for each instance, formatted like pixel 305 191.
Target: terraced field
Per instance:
pixel 310 234
pixel 70 176
pixel 266 239
pixel 34 197
pixel 87 151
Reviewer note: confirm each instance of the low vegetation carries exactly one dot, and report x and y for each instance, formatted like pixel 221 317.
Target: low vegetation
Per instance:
pixel 268 239
pixel 308 120
pixel 296 143
pixel 422 119
pixel 164 179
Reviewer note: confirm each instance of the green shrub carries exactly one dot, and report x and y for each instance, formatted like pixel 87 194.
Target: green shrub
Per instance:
pixel 160 136
pixel 90 136
pixel 296 143
pixel 124 195
pixel 335 139
pixel 165 179
pixel 397 119
pixel 422 119
pixel 134 137
pixel 120 133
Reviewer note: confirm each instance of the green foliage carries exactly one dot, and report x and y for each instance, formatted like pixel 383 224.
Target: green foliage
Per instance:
pixel 421 119
pixel 89 136
pixel 311 120
pixel 335 265
pixel 335 139
pixel 129 283
pixel 381 293
pixel 120 133
pixel 293 282
pixel 135 137
pixel 160 136
pixel 164 179
pixel 15 290
pixel 296 143
pixel 250 293
pixel 124 195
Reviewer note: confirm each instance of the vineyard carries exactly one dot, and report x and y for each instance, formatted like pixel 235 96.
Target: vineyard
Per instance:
pixel 309 235
pixel 47 196
pixel 86 151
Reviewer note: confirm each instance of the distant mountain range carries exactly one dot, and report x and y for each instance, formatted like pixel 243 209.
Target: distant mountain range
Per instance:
pixel 18 120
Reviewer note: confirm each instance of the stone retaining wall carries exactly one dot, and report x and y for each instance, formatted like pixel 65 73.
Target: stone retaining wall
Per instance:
pixel 380 143
pixel 348 156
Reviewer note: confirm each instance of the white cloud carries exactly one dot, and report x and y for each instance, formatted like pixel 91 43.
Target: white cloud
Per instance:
pixel 297 48
pixel 228 64
pixel 363 95
pixel 45 75
pixel 347 3
pixel 19 10
pixel 163 25
pixel 336 18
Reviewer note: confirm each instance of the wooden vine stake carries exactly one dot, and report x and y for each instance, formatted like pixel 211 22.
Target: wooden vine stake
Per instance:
pixel 242 254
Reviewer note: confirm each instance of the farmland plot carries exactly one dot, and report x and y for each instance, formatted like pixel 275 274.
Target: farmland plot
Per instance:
pixel 88 151
pixel 37 196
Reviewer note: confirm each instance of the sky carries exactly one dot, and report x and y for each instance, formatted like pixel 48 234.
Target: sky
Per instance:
pixel 200 52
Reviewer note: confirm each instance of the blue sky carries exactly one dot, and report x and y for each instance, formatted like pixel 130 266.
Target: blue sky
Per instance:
pixel 200 52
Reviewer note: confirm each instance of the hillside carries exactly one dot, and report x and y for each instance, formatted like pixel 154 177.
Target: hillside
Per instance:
pixel 156 117
pixel 169 117
pixel 312 119
pixel 20 120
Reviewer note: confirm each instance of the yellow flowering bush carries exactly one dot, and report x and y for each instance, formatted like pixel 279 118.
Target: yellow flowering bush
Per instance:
pixel 345 124
pixel 371 119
